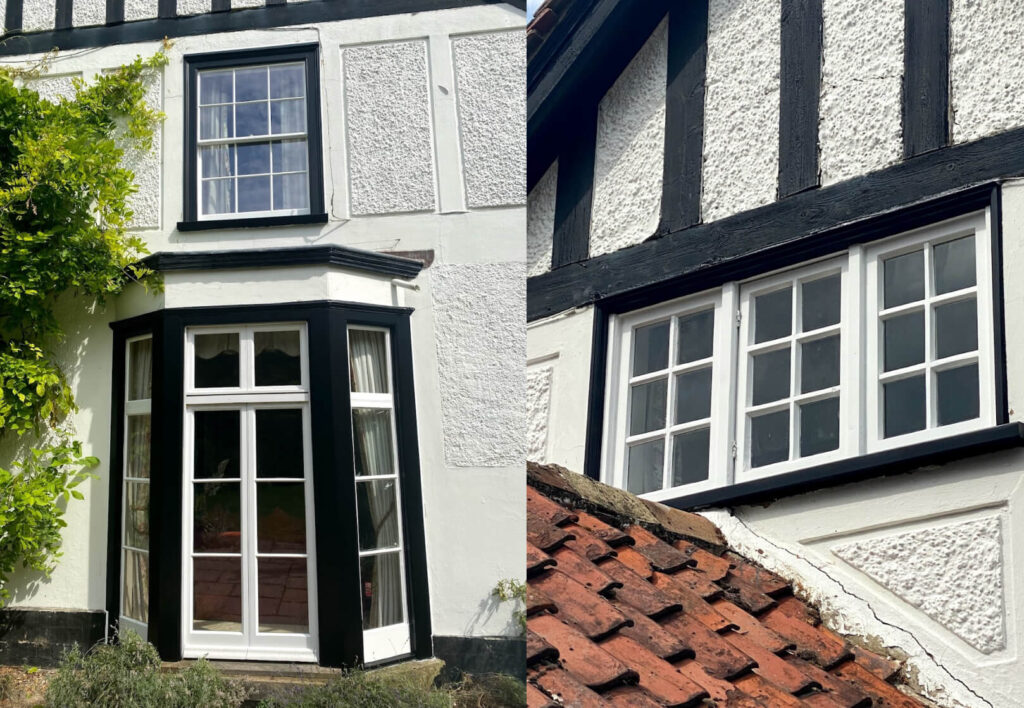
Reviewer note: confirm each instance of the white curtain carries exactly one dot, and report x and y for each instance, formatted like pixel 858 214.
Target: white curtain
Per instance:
pixel 368 359
pixel 136 494
pixel 140 370
pixel 136 586
pixel 209 346
pixel 284 342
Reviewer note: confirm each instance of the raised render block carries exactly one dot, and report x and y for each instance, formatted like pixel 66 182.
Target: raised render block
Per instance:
pixel 629 155
pixel 38 15
pixel 147 168
pixel 490 77
pixel 194 7
pixel 538 402
pixel 88 12
pixel 860 124
pixel 388 119
pixel 54 88
pixel 140 9
pixel 540 222
pixel 480 326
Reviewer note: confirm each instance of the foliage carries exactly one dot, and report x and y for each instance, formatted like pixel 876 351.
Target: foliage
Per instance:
pixel 64 218
pixel 358 689
pixel 127 675
pixel 512 590
pixel 490 691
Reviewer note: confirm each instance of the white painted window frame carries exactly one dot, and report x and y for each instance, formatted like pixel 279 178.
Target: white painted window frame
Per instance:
pixel 247 399
pixel 383 643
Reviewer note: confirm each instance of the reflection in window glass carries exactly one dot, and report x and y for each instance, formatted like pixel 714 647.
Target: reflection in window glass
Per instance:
pixel 769 438
pixel 217 443
pixel 216 360
pixel 377 508
pixel 904 279
pixel 694 339
pixel 281 517
pixel 279 442
pixel 650 348
pixel 381 576
pixel 284 595
pixel 647 407
pixel 904 402
pixel 957 394
pixel 954 265
pixel 216 594
pixel 773 315
pixel 690 456
pixel 644 467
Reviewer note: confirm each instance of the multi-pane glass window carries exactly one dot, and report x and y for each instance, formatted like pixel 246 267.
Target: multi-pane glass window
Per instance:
pixel 253 150
pixel 887 345
pixel 136 485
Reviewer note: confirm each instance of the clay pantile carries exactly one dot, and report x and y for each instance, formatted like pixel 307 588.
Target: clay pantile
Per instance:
pixel 566 690
pixel 661 555
pixel 718 690
pixel 757 577
pixel 820 699
pixel 772 668
pixel 537 649
pixel 538 601
pixel 841 692
pixel 748 624
pixel 637 592
pixel 812 643
pixel 636 562
pixel 549 511
pixel 698 582
pixel 746 595
pixel 536 560
pixel 589 612
pixel 670 647
pixel 714 566
pixel 883 695
pixel 588 545
pixel 715 654
pixel 535 698
pixel 658 677
pixel 693 604
pixel 545 536
pixel 881 667
pixel 630 697
pixel 579 655
pixel 609 534
pixel 769 695
pixel 583 571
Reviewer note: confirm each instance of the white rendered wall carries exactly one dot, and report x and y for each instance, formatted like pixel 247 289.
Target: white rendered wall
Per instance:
pixel 540 222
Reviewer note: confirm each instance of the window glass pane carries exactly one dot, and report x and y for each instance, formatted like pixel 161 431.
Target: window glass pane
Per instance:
pixel 650 348
pixel 138 436
pixel 693 395
pixel 771 376
pixel 279 443
pixel 215 86
pixel 368 357
pixel 219 196
pixel 280 517
pixel 254 194
pixel 382 590
pixel 284 595
pixel 377 506
pixel 957 394
pixel 645 466
pixel 253 158
pixel 217 435
pixel 218 160
pixel 374 451
pixel 773 315
pixel 289 155
pixel 694 340
pixel 287 81
pixel 217 594
pixel 904 406
pixel 250 119
pixel 287 116
pixel 954 265
pixel 769 438
pixel 216 520
pixel 135 591
pixel 277 358
pixel 216 360
pixel 140 369
pixel 820 303
pixel 819 364
pixel 956 328
pixel 136 515
pixel 690 452
pixel 904 340
pixel 904 279
pixel 819 427
pixel 647 406
pixel 291 191
pixel 251 84
pixel 215 122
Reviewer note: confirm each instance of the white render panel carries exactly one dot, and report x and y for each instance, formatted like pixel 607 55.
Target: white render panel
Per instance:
pixel 538 407
pixel 986 67
pixel 54 88
pixel 146 166
pixel 237 4
pixel 194 7
pixel 88 12
pixel 38 15
pixel 490 72
pixel 479 325
pixel 3 15
pixel 629 154
pixel 387 111
pixel 860 128
pixel 540 222
pixel 741 107
pixel 140 9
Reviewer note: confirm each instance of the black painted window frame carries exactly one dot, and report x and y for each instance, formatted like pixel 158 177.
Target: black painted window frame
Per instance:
pixel 792 254
pixel 337 552
pixel 309 55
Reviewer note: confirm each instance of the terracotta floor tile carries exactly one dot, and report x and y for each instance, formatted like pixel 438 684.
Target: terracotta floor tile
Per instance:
pixel 536 560
pixel 822 648
pixel 774 669
pixel 693 604
pixel 657 676
pixel 609 534
pixel 661 555
pixel 537 649
pixel 668 646
pixel 568 691
pixel 755 686
pixel 883 695
pixel 637 592
pixel 881 667
pixel 763 580
pixel 592 614
pixel 590 664
pixel 752 627
pixel 718 657
pixel 583 571
pixel 548 510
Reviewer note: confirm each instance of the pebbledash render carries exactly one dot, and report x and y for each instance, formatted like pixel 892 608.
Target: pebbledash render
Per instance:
pixel 310 439
pixel 774 250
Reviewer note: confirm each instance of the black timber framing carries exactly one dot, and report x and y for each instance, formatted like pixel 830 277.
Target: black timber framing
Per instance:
pixel 167 8
pixel 574 195
pixel 340 256
pixel 337 551
pixel 272 15
pixel 799 91
pixel 789 231
pixel 925 76
pixel 62 18
pixel 684 115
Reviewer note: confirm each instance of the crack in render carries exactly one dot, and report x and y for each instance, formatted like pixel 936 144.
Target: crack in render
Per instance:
pixel 867 604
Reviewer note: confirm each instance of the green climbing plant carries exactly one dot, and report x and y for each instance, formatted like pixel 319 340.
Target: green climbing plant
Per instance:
pixel 514 591
pixel 64 227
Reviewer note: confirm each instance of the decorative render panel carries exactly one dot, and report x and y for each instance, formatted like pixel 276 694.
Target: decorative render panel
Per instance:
pixel 88 12
pixel 54 88
pixel 140 9
pixel 38 15
pixel 540 222
pixel 538 407
pixel 194 7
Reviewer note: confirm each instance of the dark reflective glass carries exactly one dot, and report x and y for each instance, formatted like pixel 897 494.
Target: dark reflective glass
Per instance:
pixel 650 348
pixel 284 595
pixel 904 406
pixel 690 452
pixel 644 469
pixel 820 303
pixel 254 193
pixel 771 376
pixel 773 315
pixel 382 590
pixel 819 427
pixel 904 340
pixel 251 84
pixel 281 517
pixel 253 158
pixel 647 406
pixel 278 361
pixel 956 328
pixel 694 339
pixel 217 594
pixel 904 279
pixel 251 119
pixel 216 519
pixel 215 87
pixel 216 360
pixel 769 438
pixel 279 443
pixel 217 435
pixel 954 265
pixel 819 364
pixel 693 395
pixel 957 391
pixel 377 506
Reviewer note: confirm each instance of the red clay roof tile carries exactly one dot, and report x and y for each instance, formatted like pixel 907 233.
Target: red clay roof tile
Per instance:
pixel 580 656
pixel 607 533
pixel 636 562
pixel 588 545
pixel 545 536
pixel 714 566
pixel 660 678
pixel 883 695
pixel 661 555
pixel 546 509
pixel 538 601
pixel 715 654
pixel 693 604
pixel 631 697
pixel 537 698
pixel 772 668
pixel 538 650
pixel 648 632
pixel 536 560
pixel 566 690
pixel 583 571
pixel 762 580
pixel 885 669
pixel 589 612
pixel 820 646
pixel 637 592
pixel 746 595
pixel 749 625
pixel 769 695
pixel 841 692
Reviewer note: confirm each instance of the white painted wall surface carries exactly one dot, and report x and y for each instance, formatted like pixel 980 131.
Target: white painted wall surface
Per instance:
pixel 540 222
pixel 860 125
pixel 630 151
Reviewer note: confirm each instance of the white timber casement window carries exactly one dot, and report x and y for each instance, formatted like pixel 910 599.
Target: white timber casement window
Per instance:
pixel 386 630
pixel 249 576
pixel 252 142
pixel 885 345
pixel 136 485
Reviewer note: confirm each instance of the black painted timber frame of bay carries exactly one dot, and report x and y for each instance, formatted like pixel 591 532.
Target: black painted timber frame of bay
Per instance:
pixel 116 31
pixel 799 91
pixel 340 256
pixel 574 195
pixel 925 76
pixel 337 555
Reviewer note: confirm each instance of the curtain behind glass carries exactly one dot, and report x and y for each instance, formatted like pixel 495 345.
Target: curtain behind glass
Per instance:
pixel 140 368
pixel 368 361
